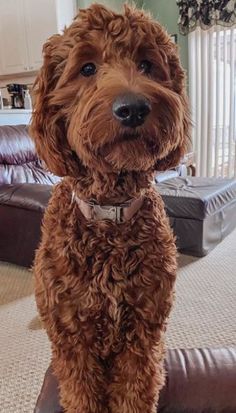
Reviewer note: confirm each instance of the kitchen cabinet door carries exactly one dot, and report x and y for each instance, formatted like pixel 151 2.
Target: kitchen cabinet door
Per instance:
pixel 40 24
pixel 13 48
pixel 25 25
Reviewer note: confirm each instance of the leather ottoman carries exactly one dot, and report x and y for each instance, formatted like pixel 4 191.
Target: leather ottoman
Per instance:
pixel 198 381
pixel 202 211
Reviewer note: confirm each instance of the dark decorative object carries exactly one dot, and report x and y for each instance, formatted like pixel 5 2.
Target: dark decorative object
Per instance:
pixel 174 38
pixel 205 13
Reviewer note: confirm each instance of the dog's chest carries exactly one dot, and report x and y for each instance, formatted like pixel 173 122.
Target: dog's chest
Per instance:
pixel 107 265
pixel 109 284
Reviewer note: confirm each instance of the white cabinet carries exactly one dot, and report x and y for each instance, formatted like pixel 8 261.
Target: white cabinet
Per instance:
pixel 15 116
pixel 24 27
pixel 40 23
pixel 13 48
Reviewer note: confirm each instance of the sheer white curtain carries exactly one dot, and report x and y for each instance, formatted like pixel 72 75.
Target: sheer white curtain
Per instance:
pixel 212 89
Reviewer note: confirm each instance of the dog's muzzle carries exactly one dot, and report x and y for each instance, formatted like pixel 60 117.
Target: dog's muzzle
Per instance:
pixel 115 213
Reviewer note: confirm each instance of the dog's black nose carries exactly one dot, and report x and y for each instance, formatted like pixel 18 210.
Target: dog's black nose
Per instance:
pixel 131 110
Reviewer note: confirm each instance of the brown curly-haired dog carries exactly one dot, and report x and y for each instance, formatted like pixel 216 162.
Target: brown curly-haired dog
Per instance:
pixel 110 109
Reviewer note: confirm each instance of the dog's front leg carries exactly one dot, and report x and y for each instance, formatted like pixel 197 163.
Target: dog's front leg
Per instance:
pixel 81 380
pixel 79 373
pixel 136 382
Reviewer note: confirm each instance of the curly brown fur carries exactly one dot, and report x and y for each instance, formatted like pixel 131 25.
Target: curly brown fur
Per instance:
pixel 104 290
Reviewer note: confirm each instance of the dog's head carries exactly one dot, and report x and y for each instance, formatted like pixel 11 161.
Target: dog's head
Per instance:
pixel 110 96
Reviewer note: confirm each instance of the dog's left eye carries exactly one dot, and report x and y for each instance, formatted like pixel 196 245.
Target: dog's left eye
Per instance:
pixel 88 69
pixel 145 67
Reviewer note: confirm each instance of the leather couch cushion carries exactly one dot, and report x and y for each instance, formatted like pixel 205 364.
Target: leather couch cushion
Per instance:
pixel 31 172
pixel 15 145
pixel 19 162
pixel 198 381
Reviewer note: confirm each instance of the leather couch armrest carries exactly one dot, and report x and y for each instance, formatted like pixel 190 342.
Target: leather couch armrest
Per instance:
pixel 198 381
pixel 21 210
pixel 27 196
pixel 48 400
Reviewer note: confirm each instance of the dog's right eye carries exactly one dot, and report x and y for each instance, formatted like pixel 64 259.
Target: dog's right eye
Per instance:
pixel 145 67
pixel 88 69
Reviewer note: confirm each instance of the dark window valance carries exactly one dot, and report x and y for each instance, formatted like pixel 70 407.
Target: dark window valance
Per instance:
pixel 205 13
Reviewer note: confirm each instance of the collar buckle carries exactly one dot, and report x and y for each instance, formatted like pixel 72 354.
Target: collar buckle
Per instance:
pixel 113 213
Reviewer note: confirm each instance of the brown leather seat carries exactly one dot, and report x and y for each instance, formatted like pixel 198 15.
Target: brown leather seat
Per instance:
pixel 198 381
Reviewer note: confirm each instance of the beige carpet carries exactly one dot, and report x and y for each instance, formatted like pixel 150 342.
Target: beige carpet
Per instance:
pixel 204 315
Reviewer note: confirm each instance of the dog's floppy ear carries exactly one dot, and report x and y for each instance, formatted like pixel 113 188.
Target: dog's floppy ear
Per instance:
pixel 174 157
pixel 183 134
pixel 48 127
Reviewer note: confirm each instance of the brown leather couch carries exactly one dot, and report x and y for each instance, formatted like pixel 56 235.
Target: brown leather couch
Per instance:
pixel 25 188
pixel 198 381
